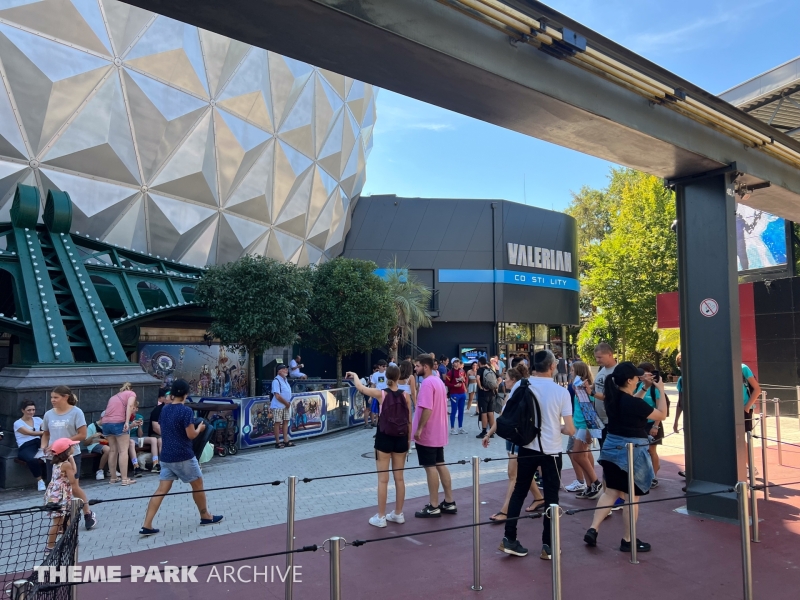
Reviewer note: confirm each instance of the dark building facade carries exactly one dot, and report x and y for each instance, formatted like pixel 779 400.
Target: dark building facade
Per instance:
pixel 504 274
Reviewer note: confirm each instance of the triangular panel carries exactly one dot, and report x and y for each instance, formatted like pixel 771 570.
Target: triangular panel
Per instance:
pixel 130 229
pixel 253 196
pixel 11 142
pixel 125 22
pixel 204 249
pixel 239 145
pixel 222 55
pixel 247 94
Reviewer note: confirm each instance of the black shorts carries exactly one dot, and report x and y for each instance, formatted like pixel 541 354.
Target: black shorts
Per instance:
pixel 390 444
pixel 429 457
pixel 617 479
pixel 658 436
pixel 485 403
pixel 748 420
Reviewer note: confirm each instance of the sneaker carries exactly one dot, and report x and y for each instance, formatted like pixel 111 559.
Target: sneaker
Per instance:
pixel 429 512
pixel 575 486
pixel 537 478
pixel 591 537
pixel 618 504
pixel 682 474
pixel 157 468
pixel 481 435
pixel 453 431
pixel 212 521
pixel 41 485
pixel 462 431
pixel 377 521
pixel 514 548
pixel 100 475
pixel 448 508
pixel 138 472
pixel 654 484
pixel 640 546
pixel 592 492
pixel 90 520
pixel 546 554
pixel 395 518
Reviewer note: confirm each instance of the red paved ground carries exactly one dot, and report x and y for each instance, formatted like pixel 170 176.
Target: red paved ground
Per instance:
pixel 692 558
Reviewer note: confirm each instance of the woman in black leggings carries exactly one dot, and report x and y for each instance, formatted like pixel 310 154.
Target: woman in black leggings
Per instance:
pixel 28 431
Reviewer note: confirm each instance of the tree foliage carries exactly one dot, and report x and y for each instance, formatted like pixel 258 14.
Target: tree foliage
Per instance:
pixel 351 309
pixel 634 261
pixel 595 330
pixel 255 303
pixel 411 299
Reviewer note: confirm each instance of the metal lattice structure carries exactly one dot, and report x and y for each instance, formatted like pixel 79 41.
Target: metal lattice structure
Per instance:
pixel 174 140
pixel 70 298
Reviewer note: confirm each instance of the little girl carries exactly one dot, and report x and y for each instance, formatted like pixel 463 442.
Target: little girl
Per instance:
pixel 59 491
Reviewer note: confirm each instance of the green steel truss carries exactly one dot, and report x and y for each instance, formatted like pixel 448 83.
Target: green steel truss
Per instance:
pixel 69 298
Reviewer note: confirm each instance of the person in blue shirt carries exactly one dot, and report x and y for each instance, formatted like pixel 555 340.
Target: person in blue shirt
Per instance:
pixel 177 458
pixel 751 392
pixel 653 390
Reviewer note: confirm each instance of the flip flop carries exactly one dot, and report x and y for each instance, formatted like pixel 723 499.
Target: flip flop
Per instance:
pixel 531 510
pixel 494 518
pixel 290 445
pixel 128 482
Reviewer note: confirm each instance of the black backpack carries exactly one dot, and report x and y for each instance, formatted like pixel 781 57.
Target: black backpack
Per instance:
pixel 518 423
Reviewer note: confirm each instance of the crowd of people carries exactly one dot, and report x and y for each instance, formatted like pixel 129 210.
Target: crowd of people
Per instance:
pixel 531 403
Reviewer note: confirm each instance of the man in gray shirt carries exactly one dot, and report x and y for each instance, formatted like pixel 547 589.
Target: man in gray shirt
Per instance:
pixel 604 356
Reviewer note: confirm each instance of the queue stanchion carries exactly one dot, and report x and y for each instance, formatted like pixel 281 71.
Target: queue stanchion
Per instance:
pixel 335 562
pixel 798 406
pixel 778 429
pixel 753 500
pixel 744 522
pixel 764 448
pixel 476 518
pixel 631 511
pixel 292 485
pixel 555 547
pixel 21 589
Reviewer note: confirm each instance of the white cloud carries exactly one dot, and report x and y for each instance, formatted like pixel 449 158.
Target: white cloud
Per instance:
pixel 398 113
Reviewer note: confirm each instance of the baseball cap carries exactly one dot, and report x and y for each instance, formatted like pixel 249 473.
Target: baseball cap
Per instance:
pixel 626 370
pixel 282 366
pixel 179 388
pixel 60 445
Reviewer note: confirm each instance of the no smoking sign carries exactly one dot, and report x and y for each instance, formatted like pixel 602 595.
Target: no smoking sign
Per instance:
pixel 709 307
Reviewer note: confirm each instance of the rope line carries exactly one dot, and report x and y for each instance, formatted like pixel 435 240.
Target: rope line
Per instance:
pixel 761 486
pixel 231 487
pixel 758 437
pixel 575 511
pixel 310 479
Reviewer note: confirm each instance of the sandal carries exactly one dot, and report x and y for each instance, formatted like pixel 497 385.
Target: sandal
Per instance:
pixel 531 508
pixel 494 518
pixel 280 445
pixel 114 480
pixel 290 445
pixel 128 481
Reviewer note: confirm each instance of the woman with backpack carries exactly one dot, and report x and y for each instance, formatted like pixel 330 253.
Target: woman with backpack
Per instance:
pixel 391 442
pixel 653 391
pixel 513 376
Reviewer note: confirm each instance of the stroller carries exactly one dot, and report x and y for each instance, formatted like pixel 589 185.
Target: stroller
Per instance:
pixel 224 434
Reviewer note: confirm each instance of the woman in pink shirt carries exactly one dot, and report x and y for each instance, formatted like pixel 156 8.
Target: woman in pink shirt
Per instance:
pixel 116 430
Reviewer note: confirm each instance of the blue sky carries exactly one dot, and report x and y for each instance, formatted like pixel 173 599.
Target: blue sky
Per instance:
pixel 423 150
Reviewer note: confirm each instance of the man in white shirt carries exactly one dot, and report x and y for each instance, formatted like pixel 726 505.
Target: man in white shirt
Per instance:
pixel 545 452
pixel 379 382
pixel 603 356
pixel 280 406
pixel 295 365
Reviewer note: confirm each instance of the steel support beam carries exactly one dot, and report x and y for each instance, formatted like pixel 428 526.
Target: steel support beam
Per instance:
pixel 712 375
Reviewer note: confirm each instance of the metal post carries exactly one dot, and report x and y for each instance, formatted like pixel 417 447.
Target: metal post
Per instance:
pixel 20 589
pixel 336 578
pixel 631 513
pixel 764 448
pixel 798 405
pixel 753 501
pixel 744 523
pixel 291 484
pixel 476 518
pixel 778 429
pixel 555 541
pixel 76 509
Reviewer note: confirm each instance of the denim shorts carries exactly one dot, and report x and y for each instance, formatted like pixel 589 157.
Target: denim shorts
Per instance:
pixel 511 448
pixel 187 471
pixel 113 428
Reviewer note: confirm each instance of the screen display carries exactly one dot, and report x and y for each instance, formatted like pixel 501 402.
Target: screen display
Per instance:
pixel 760 239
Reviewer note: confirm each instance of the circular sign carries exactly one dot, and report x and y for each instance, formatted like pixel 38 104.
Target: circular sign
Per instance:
pixel 246 429
pixel 709 307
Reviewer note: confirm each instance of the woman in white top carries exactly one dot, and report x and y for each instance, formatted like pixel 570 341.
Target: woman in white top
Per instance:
pixel 28 431
pixel 407 382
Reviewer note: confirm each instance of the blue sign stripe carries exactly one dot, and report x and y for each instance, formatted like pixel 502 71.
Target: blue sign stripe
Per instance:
pixel 508 277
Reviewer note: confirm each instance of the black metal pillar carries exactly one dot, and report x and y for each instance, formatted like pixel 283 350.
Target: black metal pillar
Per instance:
pixel 710 341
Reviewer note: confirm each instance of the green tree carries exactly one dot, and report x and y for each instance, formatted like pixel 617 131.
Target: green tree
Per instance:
pixel 351 309
pixel 411 299
pixel 634 262
pixel 593 211
pixel 597 329
pixel 255 303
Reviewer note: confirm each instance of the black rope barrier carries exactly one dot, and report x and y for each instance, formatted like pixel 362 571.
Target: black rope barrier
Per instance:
pixel 356 543
pixel 231 487
pixel 761 486
pixel 575 511
pixel 310 479
pixel 758 437
pixel 311 548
